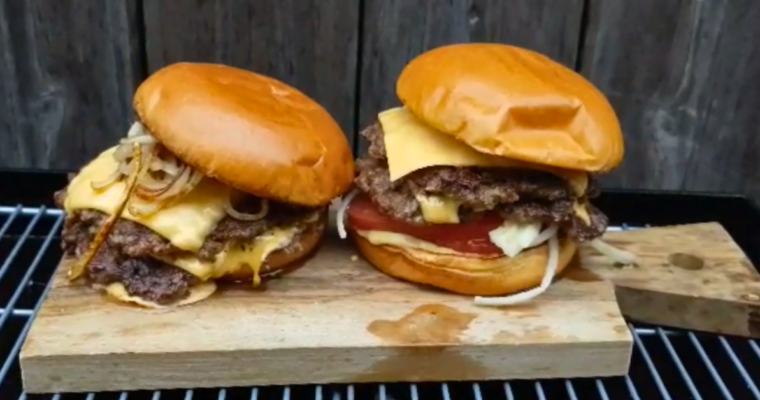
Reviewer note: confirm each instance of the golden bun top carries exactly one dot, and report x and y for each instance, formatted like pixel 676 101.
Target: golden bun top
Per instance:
pixel 515 103
pixel 249 131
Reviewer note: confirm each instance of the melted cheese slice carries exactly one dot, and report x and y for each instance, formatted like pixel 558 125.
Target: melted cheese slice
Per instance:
pixel 439 209
pixel 383 238
pixel 411 145
pixel 197 293
pixel 185 222
pixel 228 261
pixel 511 238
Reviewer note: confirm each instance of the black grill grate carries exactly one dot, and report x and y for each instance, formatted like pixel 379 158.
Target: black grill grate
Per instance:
pixel 667 364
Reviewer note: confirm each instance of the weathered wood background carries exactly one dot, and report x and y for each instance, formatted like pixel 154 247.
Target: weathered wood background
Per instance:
pixel 683 75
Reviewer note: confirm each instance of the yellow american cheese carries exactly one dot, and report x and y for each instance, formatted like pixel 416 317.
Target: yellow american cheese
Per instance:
pixel 439 209
pixel 411 145
pixel 185 222
pixel 228 261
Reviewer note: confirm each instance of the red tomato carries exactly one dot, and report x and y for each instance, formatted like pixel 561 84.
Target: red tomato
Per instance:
pixel 468 237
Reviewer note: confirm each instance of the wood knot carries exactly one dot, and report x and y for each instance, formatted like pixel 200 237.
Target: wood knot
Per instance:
pixel 686 261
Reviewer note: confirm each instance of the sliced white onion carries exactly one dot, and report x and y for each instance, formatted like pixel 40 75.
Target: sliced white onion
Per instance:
pixel 551 269
pixel 115 175
pixel 245 216
pixel 544 235
pixel 615 254
pixel 137 129
pixel 341 214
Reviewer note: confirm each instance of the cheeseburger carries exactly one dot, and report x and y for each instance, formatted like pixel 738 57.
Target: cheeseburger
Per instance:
pixel 480 182
pixel 226 174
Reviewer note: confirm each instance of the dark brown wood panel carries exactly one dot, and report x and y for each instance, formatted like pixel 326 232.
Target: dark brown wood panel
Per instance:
pixel 310 44
pixel 67 73
pixel 684 77
pixel 395 31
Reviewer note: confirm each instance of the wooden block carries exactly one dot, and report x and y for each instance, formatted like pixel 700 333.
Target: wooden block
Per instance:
pixel 336 320
pixel 689 276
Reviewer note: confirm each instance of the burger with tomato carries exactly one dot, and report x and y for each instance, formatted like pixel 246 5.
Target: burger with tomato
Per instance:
pixel 480 183
pixel 224 175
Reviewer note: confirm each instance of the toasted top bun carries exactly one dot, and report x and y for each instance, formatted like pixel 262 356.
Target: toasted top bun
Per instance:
pixel 515 103
pixel 249 131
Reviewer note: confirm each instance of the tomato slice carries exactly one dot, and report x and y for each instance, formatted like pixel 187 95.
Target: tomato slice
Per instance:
pixel 468 237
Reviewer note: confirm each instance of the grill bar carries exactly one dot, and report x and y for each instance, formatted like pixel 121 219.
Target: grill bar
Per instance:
pixel 740 367
pixel 679 364
pixel 570 390
pixel 602 390
pixel 14 252
pixel 709 365
pixel 33 267
pixel 744 368
pixel 650 365
pixel 508 391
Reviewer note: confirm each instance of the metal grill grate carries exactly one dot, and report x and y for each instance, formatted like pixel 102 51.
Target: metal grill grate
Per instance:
pixel 667 364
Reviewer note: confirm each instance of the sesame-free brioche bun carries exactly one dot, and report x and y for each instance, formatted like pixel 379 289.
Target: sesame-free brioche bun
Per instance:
pixel 515 103
pixel 470 276
pixel 249 131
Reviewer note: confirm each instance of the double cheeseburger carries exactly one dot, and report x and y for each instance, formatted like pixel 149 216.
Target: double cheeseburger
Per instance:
pixel 226 174
pixel 480 183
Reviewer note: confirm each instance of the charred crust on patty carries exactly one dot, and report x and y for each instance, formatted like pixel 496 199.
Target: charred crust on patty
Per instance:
pixel 520 194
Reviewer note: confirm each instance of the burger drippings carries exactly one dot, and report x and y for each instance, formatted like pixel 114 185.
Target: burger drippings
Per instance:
pixel 518 194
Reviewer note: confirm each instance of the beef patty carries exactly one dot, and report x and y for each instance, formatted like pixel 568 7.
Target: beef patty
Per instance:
pixel 521 194
pixel 128 255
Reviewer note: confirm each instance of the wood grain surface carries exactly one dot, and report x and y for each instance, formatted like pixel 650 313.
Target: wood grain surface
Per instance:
pixel 395 31
pixel 311 44
pixel 67 72
pixel 684 77
pixel 691 276
pixel 335 320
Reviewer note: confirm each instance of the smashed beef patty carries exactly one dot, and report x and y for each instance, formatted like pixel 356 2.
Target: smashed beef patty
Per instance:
pixel 127 255
pixel 525 195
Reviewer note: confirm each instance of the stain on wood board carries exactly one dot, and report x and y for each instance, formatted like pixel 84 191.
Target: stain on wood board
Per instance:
pixel 67 72
pixel 310 44
pixel 395 31
pixel 684 77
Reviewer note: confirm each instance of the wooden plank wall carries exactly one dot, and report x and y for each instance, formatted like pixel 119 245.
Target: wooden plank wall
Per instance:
pixel 684 76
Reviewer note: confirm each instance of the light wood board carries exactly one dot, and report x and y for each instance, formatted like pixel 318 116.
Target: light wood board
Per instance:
pixel 689 276
pixel 335 320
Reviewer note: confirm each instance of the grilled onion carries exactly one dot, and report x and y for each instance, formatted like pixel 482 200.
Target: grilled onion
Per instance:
pixel 162 178
pixel 102 235
pixel 245 216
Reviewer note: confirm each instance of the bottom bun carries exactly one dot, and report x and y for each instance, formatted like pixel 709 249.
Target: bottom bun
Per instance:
pixel 282 261
pixel 197 293
pixel 464 275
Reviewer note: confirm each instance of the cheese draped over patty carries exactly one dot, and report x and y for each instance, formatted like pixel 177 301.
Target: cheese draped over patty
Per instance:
pixel 411 145
pixel 185 222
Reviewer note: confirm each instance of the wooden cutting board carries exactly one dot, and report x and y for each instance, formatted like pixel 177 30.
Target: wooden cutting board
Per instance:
pixel 334 320
pixel 690 276
pixel 339 320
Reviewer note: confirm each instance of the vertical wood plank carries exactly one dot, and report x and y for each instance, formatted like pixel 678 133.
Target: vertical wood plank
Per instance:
pixel 67 72
pixel 684 77
pixel 395 31
pixel 310 44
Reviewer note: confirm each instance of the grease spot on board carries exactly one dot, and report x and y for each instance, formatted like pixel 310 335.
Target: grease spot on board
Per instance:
pixel 424 347
pixel 427 324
